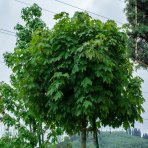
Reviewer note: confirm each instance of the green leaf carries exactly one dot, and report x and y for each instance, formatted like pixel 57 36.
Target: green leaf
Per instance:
pixel 86 82
pixel 57 96
pixel 87 104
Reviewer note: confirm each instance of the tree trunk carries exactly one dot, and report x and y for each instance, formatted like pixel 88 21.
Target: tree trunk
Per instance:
pixel 83 135
pixel 31 141
pixel 136 44
pixel 95 134
pixel 34 128
pixel 39 139
pixel 83 139
pixel 42 138
pixel 42 134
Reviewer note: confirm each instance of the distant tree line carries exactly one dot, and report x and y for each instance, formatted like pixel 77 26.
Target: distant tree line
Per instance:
pixel 145 136
pixel 136 132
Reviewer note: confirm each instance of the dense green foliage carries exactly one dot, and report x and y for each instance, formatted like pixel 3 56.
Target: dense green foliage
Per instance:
pixel 75 75
pixel 14 110
pixel 7 142
pixel 13 113
pixel 137 15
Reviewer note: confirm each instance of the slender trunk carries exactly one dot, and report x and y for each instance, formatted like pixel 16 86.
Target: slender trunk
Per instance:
pixel 42 138
pixel 42 134
pixel 30 127
pixel 34 128
pixel 83 135
pixel 39 138
pixel 136 44
pixel 95 134
pixel 31 142
pixel 95 139
pixel 83 139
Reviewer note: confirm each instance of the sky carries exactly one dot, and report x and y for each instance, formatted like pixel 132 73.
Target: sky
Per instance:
pixel 10 15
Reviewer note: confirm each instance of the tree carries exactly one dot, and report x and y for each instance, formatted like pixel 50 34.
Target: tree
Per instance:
pixel 13 114
pixel 137 15
pixel 77 75
pixel 14 110
pixel 28 131
pixel 145 136
pixel 65 144
pixel 136 132
pixel 129 131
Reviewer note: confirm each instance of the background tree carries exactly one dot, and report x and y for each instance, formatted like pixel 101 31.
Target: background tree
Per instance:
pixel 137 16
pixel 31 17
pixel 129 131
pixel 66 76
pixel 136 132
pixel 145 136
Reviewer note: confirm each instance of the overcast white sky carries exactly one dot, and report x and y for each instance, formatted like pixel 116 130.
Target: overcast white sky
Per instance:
pixel 10 12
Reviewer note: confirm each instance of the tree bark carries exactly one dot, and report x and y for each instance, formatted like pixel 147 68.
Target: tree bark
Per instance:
pixel 95 134
pixel 83 135
pixel 83 139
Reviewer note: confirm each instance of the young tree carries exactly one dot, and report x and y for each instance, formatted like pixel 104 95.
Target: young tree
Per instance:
pixel 14 110
pixel 137 15
pixel 14 114
pixel 77 75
